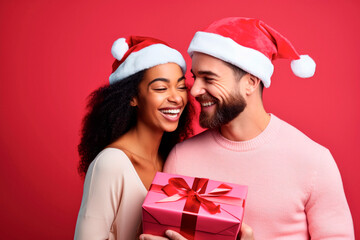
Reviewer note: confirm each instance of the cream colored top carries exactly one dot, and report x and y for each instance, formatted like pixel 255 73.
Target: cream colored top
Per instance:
pixel 112 199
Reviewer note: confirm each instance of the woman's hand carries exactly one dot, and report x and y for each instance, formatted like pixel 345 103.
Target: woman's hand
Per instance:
pixel 172 235
pixel 246 233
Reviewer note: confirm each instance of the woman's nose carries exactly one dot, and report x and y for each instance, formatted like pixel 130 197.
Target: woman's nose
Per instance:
pixel 175 96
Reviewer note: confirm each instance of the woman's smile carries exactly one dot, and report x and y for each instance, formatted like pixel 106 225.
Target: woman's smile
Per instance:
pixel 171 114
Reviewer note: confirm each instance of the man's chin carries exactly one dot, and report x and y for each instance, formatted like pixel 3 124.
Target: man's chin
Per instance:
pixel 206 121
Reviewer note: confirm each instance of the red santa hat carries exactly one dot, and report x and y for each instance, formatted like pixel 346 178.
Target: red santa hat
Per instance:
pixel 135 53
pixel 251 45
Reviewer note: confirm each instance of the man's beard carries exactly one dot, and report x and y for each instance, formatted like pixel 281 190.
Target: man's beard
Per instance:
pixel 224 112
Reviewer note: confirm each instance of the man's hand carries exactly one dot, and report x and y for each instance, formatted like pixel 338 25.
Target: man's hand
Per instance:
pixel 246 233
pixel 172 235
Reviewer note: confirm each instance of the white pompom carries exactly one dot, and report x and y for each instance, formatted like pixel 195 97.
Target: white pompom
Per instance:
pixel 303 67
pixel 119 48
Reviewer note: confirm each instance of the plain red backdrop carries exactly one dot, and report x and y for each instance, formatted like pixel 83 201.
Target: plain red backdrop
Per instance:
pixel 54 53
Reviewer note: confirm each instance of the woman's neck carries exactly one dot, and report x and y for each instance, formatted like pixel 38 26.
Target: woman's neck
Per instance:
pixel 141 140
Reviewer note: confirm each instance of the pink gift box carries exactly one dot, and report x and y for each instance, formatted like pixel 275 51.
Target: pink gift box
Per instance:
pixel 198 208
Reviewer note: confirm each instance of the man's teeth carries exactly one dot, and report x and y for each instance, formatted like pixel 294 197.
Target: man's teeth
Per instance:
pixel 171 111
pixel 206 104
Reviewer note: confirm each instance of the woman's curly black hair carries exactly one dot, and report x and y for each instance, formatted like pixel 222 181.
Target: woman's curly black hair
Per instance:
pixel 110 115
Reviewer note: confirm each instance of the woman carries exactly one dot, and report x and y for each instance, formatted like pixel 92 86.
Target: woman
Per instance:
pixel 131 126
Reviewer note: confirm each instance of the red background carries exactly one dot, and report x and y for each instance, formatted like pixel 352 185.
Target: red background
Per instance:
pixel 54 53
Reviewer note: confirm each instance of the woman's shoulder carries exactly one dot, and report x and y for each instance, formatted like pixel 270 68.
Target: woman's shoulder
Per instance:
pixel 111 160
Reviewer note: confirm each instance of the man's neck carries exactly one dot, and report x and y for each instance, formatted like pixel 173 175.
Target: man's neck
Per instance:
pixel 248 125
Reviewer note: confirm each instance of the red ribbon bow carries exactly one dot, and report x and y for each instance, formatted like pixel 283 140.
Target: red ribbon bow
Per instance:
pixel 195 197
pixel 178 189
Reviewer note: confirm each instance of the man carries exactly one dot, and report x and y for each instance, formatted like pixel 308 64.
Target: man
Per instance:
pixel 295 189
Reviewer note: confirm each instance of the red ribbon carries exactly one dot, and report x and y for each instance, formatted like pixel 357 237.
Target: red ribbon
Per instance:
pixel 195 197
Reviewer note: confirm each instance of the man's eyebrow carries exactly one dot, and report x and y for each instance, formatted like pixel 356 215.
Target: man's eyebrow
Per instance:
pixel 210 73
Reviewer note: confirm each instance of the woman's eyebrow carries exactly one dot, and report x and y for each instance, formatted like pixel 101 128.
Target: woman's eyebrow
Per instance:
pixel 159 79
pixel 165 80
pixel 182 78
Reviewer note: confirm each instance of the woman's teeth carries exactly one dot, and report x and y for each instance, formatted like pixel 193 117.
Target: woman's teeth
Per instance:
pixel 171 111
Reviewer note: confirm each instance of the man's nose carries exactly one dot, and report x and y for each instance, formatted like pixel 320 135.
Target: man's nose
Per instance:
pixel 198 88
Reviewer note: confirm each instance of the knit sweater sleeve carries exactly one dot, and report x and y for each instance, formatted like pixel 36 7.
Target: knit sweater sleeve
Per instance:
pixel 102 195
pixel 327 210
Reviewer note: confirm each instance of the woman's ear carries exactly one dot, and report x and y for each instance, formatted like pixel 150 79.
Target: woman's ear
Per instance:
pixel 134 102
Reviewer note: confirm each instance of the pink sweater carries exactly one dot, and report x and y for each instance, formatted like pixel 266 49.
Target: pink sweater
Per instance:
pixel 295 189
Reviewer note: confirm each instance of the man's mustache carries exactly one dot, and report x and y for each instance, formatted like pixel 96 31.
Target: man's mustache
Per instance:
pixel 206 98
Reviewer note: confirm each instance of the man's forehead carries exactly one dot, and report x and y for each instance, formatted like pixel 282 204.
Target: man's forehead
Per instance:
pixel 206 64
pixel 204 56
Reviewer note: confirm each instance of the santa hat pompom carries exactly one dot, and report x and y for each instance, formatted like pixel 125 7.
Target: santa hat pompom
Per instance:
pixel 303 67
pixel 119 48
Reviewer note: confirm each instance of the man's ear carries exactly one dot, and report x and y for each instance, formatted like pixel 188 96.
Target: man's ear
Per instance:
pixel 134 102
pixel 252 84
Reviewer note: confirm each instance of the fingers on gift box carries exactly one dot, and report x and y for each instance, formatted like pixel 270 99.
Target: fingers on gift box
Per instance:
pixel 198 208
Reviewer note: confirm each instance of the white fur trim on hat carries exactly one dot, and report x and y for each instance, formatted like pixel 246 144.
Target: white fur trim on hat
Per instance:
pixel 303 67
pixel 145 58
pixel 226 49
pixel 119 48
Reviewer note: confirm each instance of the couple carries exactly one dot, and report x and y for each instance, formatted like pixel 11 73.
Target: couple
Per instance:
pixel 133 125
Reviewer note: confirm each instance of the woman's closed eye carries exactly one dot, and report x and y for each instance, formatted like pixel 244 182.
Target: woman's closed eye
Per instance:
pixel 182 87
pixel 159 86
pixel 160 89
